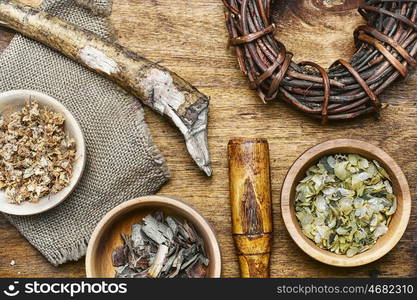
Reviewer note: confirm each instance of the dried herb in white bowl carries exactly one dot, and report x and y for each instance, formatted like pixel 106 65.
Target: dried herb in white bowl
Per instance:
pixel 36 154
pixel 345 203
pixel 161 247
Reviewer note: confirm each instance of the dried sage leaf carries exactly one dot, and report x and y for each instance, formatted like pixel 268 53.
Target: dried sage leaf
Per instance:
pixel 345 203
pixel 161 248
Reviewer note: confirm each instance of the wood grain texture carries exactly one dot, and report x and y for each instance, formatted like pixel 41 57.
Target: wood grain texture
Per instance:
pixel 160 89
pixel 251 206
pixel 190 38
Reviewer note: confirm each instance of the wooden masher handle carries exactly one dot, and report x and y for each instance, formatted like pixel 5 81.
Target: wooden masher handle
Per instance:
pixel 250 200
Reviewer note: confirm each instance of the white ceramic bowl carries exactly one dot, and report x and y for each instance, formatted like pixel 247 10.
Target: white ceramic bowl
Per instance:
pixel 12 101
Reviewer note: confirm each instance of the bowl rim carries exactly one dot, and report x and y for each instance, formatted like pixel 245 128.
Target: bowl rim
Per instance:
pixel 318 253
pixel 152 199
pixel 56 105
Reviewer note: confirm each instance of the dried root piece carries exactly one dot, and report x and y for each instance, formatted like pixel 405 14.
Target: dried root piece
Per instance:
pixel 157 87
pixel 158 262
pixel 345 203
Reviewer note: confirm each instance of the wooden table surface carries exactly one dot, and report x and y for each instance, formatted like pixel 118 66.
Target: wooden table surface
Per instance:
pixel 190 38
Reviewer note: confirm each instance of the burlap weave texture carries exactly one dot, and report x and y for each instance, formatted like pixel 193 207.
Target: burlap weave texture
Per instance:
pixel 122 161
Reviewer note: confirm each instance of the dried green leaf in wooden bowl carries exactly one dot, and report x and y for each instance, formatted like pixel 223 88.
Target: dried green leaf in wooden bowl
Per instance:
pixel 345 203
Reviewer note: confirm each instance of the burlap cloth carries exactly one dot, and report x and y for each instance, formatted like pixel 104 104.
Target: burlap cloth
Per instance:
pixel 122 161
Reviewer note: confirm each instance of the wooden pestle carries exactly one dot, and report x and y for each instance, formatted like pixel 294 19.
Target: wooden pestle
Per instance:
pixel 250 200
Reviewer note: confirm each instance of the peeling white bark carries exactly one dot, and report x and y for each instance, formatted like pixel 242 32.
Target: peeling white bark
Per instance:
pixel 97 60
pixel 158 262
pixel 159 87
pixel 162 90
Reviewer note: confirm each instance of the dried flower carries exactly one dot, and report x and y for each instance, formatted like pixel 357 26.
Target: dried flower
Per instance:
pixel 345 203
pixel 36 154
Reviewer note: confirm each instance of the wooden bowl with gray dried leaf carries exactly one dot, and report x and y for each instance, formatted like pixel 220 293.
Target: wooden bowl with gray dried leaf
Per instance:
pixel 153 237
pixel 345 202
pixel 43 152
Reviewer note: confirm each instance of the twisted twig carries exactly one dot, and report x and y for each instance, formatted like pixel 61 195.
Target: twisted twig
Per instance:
pixel 387 46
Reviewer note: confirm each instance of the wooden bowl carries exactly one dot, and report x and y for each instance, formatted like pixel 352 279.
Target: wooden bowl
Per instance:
pixel 13 101
pixel 106 235
pixel 400 187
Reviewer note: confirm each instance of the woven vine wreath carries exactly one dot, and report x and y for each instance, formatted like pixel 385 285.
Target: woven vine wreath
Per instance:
pixel 386 46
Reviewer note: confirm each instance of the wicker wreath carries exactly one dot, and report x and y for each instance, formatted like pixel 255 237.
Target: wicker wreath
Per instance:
pixel 386 46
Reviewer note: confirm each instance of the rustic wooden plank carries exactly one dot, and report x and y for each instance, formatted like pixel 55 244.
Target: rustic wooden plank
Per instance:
pixel 190 38
pixel 319 31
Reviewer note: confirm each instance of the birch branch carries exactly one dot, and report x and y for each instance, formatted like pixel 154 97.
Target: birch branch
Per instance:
pixel 157 87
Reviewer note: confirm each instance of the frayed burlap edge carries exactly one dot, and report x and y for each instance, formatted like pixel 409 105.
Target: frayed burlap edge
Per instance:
pixel 79 249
